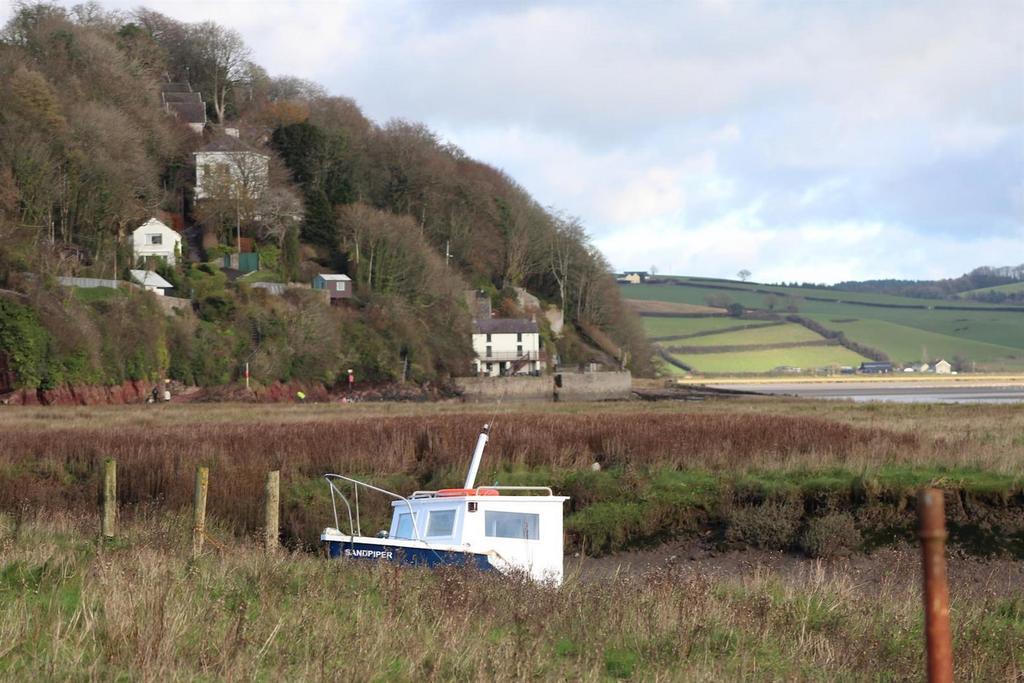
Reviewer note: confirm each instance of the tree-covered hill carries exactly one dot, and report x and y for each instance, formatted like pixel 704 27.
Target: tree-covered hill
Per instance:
pixel 88 152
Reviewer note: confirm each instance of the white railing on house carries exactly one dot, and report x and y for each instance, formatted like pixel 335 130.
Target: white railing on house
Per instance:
pixel 499 356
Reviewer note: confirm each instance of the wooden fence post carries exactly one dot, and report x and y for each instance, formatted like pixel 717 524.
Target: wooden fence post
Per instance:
pixel 199 510
pixel 931 509
pixel 109 527
pixel 272 510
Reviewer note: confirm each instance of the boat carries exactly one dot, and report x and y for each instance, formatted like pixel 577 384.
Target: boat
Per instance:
pixel 510 529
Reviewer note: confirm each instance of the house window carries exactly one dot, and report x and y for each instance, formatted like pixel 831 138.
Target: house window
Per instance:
pixel 512 525
pixel 440 523
pixel 405 526
pixel 488 337
pixel 487 353
pixel 519 349
pixel 156 239
pixel 519 336
pixel 341 286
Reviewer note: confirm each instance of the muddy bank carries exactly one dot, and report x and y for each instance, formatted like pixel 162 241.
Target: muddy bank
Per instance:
pixel 137 391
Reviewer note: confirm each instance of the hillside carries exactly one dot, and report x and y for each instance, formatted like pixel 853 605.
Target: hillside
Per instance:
pixel 108 120
pixel 819 328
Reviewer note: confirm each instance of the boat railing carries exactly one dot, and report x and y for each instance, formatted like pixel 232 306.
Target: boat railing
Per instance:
pixel 354 526
pixel 546 490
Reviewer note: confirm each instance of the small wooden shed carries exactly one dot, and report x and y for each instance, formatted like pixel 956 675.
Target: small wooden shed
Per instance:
pixel 338 286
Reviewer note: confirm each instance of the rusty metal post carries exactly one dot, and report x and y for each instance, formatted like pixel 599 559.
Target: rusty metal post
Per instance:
pixel 931 510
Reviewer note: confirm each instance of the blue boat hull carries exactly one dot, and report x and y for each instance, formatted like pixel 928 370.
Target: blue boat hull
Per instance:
pixel 426 557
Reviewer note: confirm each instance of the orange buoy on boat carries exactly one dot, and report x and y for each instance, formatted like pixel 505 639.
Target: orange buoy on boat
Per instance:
pixel 452 493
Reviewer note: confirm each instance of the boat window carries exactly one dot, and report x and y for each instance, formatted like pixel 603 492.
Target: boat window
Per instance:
pixel 405 526
pixel 512 524
pixel 440 522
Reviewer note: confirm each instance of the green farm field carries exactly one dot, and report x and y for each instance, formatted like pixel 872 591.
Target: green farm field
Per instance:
pixel 906 344
pixel 989 338
pixel 1008 289
pixel 789 333
pixel 667 327
pixel 766 361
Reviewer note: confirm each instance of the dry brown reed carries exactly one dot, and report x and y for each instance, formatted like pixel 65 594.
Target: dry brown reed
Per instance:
pixel 50 458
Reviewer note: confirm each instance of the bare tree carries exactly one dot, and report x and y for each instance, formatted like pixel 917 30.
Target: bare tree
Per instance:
pixel 223 61
pixel 563 248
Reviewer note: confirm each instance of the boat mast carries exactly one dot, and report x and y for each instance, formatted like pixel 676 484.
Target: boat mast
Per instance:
pixel 478 453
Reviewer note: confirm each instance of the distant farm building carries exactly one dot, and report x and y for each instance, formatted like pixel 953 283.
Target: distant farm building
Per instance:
pixel 507 346
pixel 151 282
pixel 337 286
pixel 875 367
pixel 942 367
pixel 634 277
pixel 153 238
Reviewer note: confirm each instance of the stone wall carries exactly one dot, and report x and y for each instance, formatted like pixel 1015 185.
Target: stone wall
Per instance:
pixel 595 386
pixel 589 386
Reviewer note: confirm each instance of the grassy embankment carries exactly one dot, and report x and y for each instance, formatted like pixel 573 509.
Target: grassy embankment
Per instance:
pixel 905 329
pixel 767 474
pixel 139 609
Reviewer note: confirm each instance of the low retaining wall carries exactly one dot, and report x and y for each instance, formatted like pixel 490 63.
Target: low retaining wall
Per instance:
pixel 588 386
pixel 595 386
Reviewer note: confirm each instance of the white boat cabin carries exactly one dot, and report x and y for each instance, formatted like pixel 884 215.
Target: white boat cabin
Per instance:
pixel 508 528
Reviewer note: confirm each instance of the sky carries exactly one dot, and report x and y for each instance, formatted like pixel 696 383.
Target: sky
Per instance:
pixel 803 141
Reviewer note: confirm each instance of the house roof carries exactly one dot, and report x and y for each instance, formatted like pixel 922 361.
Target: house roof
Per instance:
pixel 147 278
pixel 154 223
pixel 227 143
pixel 333 277
pixel 505 326
pixel 190 112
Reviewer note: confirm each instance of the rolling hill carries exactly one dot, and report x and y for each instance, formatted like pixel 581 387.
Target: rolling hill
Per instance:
pixel 823 329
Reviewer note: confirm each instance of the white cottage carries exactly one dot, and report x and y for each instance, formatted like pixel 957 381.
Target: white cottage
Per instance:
pixel 942 367
pixel 227 165
pixel 507 346
pixel 153 238
pixel 151 282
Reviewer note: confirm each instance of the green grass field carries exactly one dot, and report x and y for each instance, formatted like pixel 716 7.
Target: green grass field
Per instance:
pixel 766 361
pixel 89 294
pixel 790 333
pixel 1010 288
pixel 990 337
pixel 907 344
pixel 665 327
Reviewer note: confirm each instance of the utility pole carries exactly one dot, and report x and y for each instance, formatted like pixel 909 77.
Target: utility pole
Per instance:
pixel 447 252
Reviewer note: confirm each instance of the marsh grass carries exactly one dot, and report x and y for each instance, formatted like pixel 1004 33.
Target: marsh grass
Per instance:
pixel 141 610
pixel 666 469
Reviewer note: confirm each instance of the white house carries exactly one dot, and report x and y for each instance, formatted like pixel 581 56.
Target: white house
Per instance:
pixel 942 367
pixel 151 282
pixel 153 238
pixel 507 346
pixel 226 165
